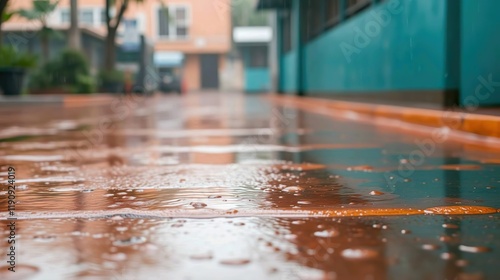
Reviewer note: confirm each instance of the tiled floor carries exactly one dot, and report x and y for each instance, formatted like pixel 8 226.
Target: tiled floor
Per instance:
pixel 227 186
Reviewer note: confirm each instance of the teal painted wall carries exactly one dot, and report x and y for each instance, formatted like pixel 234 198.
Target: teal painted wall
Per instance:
pixel 480 53
pixel 257 79
pixel 288 75
pixel 395 45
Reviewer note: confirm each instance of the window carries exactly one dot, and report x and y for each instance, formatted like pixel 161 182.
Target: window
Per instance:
pixel 313 18
pixel 258 56
pixel 355 6
pixel 103 16
pixel 65 16
pixel 332 12
pixel 173 23
pixel 86 16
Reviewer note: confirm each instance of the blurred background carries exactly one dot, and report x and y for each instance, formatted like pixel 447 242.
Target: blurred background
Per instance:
pixel 437 53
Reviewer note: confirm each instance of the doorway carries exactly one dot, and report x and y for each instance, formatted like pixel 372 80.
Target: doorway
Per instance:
pixel 209 71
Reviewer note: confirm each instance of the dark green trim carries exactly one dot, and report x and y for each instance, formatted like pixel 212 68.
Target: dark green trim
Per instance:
pixel 418 98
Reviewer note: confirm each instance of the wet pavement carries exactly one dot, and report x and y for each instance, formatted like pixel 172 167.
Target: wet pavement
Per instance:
pixel 222 186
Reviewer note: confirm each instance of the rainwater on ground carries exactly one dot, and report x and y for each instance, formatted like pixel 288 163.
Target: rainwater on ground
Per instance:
pixel 226 186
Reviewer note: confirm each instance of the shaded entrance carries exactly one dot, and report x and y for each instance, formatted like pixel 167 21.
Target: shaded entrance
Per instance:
pixel 209 71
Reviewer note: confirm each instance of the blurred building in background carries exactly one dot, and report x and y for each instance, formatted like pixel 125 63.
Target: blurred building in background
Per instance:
pixel 253 44
pixel 190 38
pixel 440 52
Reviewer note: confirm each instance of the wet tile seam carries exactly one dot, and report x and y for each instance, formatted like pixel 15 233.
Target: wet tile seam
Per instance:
pixel 212 213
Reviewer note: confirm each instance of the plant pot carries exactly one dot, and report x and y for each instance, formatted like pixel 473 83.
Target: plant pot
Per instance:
pixel 11 80
pixel 112 87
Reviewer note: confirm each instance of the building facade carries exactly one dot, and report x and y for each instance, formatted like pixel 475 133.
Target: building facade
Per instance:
pixel 433 51
pixel 192 34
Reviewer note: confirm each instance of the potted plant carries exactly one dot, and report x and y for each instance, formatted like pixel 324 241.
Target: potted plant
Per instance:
pixel 68 73
pixel 112 81
pixel 13 66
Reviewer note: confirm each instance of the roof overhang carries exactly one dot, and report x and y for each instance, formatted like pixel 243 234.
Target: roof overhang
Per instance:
pixel 168 58
pixel 252 34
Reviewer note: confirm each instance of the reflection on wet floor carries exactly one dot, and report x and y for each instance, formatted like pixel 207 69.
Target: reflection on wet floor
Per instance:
pixel 227 187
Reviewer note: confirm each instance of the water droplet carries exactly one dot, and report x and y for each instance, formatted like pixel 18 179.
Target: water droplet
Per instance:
pixel 376 193
pixel 359 254
pixel 451 226
pixel 447 256
pixel 364 168
pixel 430 247
pixel 198 205
pixel 292 189
pixel 327 233
pixel 473 249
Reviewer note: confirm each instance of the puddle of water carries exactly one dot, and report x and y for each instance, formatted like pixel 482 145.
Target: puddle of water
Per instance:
pixel 270 194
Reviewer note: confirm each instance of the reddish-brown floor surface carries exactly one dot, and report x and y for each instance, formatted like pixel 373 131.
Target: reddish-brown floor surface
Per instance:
pixel 227 186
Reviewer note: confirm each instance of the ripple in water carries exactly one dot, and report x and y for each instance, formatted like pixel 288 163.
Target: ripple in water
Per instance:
pixel 235 261
pixel 22 272
pixel 198 205
pixel 44 238
pixel 130 241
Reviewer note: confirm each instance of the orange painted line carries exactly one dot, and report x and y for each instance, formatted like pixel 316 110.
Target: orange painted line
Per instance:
pixel 469 123
pixel 278 212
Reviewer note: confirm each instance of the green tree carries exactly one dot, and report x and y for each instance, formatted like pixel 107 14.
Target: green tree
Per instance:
pixel 4 16
pixel 40 12
pixel 74 31
pixel 243 13
pixel 112 24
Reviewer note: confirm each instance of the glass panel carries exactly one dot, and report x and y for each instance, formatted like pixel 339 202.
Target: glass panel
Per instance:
pixel 86 16
pixel 103 16
pixel 180 14
pixel 182 31
pixel 163 24
pixel 65 16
